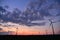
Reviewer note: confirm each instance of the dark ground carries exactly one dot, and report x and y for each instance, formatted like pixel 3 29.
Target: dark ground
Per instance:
pixel 30 37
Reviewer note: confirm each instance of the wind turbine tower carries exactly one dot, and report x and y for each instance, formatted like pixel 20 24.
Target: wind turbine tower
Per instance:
pixel 51 24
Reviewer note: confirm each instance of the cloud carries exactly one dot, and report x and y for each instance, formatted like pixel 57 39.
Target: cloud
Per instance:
pixel 40 11
pixel 1 28
pixel 58 1
pixel 4 33
pixel 36 24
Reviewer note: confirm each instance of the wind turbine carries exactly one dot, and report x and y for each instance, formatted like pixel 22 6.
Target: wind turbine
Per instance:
pixel 16 30
pixel 46 32
pixel 51 24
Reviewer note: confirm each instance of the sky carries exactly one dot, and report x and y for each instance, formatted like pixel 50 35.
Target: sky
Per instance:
pixel 22 5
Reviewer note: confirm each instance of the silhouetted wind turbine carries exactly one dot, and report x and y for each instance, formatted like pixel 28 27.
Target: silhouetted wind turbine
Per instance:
pixel 51 24
pixel 46 32
pixel 16 30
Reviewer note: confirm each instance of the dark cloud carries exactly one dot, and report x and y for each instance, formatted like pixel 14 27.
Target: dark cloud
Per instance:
pixel 36 11
pixel 2 9
pixel 58 1
pixel 58 14
pixel 36 24
pixel 1 28
pixel 4 33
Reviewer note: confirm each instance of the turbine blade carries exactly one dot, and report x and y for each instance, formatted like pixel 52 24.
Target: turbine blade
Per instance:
pixel 50 24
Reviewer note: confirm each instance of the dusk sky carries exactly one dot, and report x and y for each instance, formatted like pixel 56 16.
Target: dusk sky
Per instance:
pixel 21 4
pixel 49 6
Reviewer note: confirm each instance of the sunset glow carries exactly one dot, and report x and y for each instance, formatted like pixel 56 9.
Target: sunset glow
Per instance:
pixel 29 17
pixel 24 30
